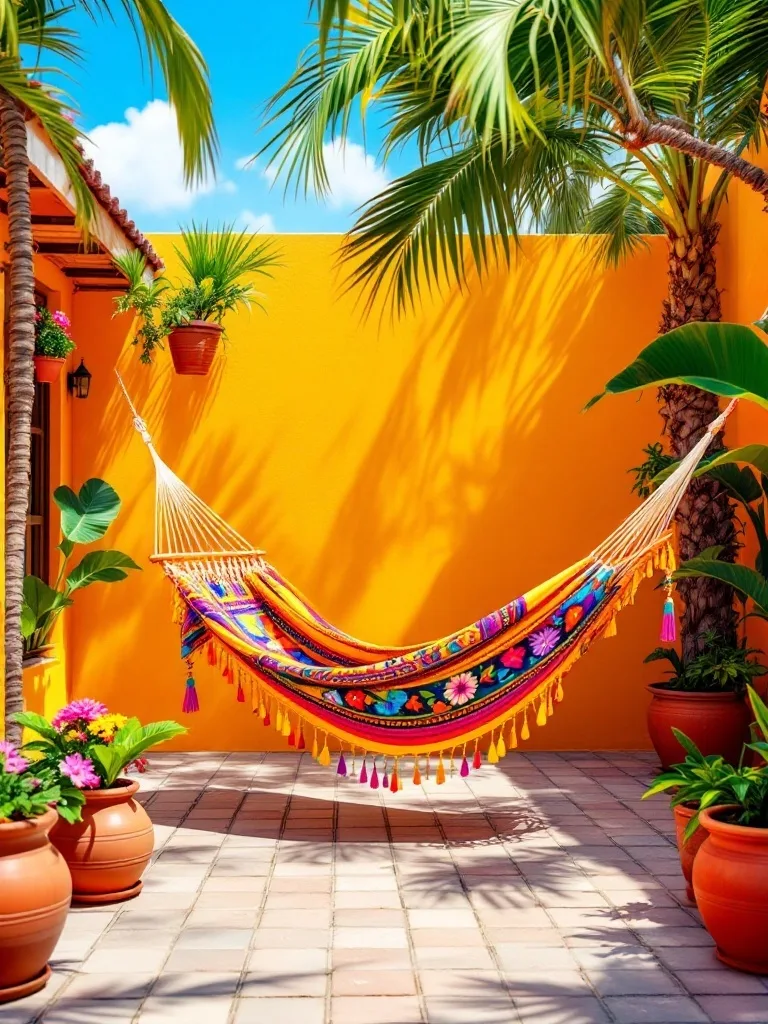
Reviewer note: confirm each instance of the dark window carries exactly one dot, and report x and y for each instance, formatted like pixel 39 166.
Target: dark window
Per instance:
pixel 38 517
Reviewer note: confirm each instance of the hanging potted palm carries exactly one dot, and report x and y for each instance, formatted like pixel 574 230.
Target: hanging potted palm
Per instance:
pixel 216 267
pixel 52 344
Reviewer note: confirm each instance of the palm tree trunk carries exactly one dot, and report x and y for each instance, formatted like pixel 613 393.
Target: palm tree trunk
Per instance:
pixel 21 391
pixel 705 516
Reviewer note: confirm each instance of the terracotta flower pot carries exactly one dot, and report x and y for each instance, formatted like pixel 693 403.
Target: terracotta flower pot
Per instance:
pixel 48 369
pixel 109 849
pixel 35 893
pixel 730 879
pixel 194 345
pixel 718 723
pixel 690 847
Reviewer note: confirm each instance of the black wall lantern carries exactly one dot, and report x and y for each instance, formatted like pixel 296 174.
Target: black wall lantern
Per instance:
pixel 79 382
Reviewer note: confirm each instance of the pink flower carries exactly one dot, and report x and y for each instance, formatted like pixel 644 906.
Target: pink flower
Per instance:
pixel 80 771
pixel 460 688
pixel 513 658
pixel 11 760
pixel 61 319
pixel 85 710
pixel 544 641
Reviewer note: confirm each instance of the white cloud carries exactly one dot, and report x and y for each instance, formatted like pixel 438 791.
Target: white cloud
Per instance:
pixel 246 163
pixel 140 159
pixel 353 175
pixel 250 221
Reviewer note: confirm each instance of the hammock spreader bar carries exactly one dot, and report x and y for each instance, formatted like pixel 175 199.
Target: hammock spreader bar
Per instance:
pixel 388 712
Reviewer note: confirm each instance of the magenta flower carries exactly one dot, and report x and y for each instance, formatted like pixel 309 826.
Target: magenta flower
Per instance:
pixel 460 689
pixel 513 658
pixel 61 319
pixel 544 641
pixel 85 710
pixel 80 771
pixel 11 760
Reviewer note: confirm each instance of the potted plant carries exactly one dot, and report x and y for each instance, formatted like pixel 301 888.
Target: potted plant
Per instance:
pixel 52 344
pixel 216 267
pixel 85 517
pixel 703 699
pixel 108 849
pixel 35 884
pixel 700 781
pixel 730 872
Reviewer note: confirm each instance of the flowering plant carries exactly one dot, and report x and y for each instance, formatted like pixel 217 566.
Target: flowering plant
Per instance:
pixel 88 747
pixel 52 333
pixel 27 792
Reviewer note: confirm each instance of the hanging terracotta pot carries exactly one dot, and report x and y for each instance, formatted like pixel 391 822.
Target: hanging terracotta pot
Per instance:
pixel 730 879
pixel 109 849
pixel 48 369
pixel 194 345
pixel 35 893
pixel 718 723
pixel 688 848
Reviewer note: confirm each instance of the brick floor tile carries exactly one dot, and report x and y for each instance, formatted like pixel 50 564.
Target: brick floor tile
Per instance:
pixel 211 985
pixel 721 983
pixel 373 983
pixel 73 1011
pixel 284 982
pixel 217 960
pixel 451 958
pixel 468 985
pixel 291 938
pixel 128 960
pixel 186 1009
pixel 656 1010
pixel 448 1011
pixel 214 938
pixel 560 1009
pixel 373 1010
pixel 630 982
pixel 525 982
pixel 372 938
pixel 299 959
pixel 742 1009
pixel 110 986
pixel 369 918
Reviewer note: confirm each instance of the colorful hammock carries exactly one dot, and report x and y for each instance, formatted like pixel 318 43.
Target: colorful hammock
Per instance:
pixel 479 689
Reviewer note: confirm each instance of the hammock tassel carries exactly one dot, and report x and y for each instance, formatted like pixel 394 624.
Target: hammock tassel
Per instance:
pixel 374 777
pixel 191 704
pixel 416 773
pixel 464 770
pixel 212 658
pixel 440 773
pixel 314 748
pixel 501 747
pixel 541 714
pixel 493 755
pixel 342 765
pixel 325 756
pixel 286 730
pixel 240 693
pixel 385 777
pixel 394 784
pixel 525 732
pixel 559 691
pixel 363 773
pixel 301 745
pixel 668 620
pixel 477 759
pixel 279 721
pixel 513 735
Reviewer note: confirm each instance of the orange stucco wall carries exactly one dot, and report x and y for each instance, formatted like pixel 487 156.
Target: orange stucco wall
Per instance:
pixel 408 477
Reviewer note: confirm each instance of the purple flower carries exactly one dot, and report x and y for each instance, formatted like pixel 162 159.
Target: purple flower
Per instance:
pixel 544 641
pixel 85 710
pixel 80 771
pixel 11 760
pixel 61 319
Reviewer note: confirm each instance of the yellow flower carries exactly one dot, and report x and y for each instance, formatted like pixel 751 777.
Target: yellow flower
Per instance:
pixel 107 725
pixel 73 734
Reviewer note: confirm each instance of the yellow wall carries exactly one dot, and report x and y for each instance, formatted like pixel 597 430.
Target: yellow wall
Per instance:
pixel 408 478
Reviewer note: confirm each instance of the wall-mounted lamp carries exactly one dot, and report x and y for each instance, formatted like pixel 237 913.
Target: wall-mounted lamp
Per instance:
pixel 79 382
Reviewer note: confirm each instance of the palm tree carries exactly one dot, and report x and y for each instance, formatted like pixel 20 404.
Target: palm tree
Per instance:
pixel 41 24
pixel 617 118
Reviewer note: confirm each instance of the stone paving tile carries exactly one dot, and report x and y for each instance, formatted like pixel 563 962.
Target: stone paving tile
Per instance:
pixel 539 891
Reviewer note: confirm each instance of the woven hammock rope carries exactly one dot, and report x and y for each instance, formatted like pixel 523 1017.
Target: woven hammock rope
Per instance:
pixel 316 684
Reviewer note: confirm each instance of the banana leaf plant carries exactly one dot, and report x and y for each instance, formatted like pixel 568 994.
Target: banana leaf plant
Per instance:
pixel 85 517
pixel 730 360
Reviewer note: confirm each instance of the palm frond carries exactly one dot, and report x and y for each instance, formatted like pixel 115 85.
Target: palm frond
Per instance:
pixel 621 222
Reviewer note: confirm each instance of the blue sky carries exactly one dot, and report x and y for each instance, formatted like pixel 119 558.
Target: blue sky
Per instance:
pixel 251 51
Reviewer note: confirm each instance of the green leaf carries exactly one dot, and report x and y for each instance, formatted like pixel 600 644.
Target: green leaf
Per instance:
pixel 759 710
pixel 35 722
pixel 100 567
pixel 148 736
pixel 86 516
pixel 727 359
pixel 111 760
pixel 40 599
pixel 747 581
pixel 688 746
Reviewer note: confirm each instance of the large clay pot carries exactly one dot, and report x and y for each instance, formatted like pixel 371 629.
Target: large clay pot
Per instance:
pixel 48 369
pixel 194 345
pixel 718 723
pixel 730 879
pixel 688 848
pixel 35 893
pixel 109 849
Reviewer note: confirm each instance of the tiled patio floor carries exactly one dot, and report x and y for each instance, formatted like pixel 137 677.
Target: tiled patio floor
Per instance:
pixel 539 891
